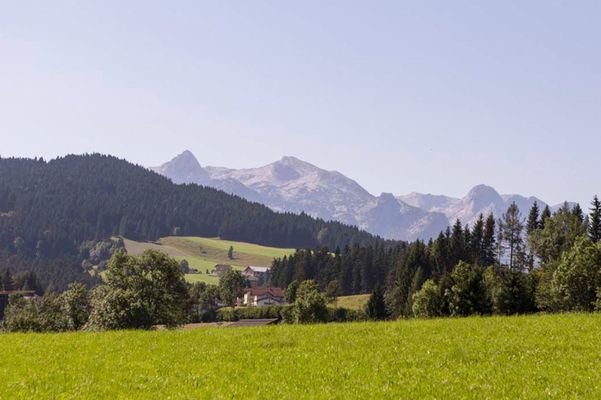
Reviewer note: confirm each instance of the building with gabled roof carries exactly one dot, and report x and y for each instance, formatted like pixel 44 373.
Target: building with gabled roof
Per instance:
pixel 258 297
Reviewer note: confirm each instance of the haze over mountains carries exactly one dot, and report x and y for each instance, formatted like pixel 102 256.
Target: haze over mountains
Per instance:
pixel 296 186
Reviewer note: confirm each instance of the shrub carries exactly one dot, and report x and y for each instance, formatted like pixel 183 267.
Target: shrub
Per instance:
pixel 510 291
pixel 468 293
pixel 578 276
pixel 427 302
pixel 268 312
pixel 310 305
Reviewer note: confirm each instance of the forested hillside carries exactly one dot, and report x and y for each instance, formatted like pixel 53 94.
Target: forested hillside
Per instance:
pixel 52 213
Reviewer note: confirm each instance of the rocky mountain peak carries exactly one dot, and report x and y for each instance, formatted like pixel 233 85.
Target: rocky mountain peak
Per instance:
pixel 183 168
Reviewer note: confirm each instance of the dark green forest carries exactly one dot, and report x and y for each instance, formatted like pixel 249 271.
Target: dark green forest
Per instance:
pixel 52 213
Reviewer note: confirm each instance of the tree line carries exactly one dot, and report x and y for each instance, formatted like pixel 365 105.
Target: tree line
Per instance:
pixel 546 262
pixel 542 262
pixel 149 291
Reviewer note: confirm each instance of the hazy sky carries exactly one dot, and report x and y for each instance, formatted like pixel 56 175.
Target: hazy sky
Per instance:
pixel 400 96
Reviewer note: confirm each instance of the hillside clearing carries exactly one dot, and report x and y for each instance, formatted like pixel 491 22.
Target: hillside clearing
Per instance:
pixel 356 302
pixel 543 356
pixel 204 253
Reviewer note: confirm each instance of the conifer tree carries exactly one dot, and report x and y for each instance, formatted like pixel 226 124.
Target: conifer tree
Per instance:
pixel 510 228
pixel 533 223
pixel 376 307
pixel 457 243
pixel 594 229
pixel 544 216
pixel 476 242
pixel 489 242
pixel 578 213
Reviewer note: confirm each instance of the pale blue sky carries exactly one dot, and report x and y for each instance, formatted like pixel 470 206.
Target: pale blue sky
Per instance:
pixel 401 96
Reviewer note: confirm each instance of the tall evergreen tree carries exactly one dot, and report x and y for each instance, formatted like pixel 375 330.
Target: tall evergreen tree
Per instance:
pixel 458 252
pixel 578 213
pixel 544 216
pixel 476 242
pixel 533 225
pixel 533 222
pixel 511 227
pixel 594 229
pixel 488 242
pixel 376 307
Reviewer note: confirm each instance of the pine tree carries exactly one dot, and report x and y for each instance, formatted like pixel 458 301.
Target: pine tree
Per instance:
pixel 376 307
pixel 467 240
pixel 532 226
pixel 488 242
pixel 545 215
pixel 476 242
pixel 594 229
pixel 578 213
pixel 510 228
pixel 458 243
pixel 533 223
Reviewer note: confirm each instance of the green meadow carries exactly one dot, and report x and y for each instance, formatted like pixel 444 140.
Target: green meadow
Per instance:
pixel 354 302
pixel 542 356
pixel 203 253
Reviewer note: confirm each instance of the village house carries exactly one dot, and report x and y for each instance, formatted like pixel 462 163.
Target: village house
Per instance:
pixel 221 269
pixel 255 272
pixel 259 297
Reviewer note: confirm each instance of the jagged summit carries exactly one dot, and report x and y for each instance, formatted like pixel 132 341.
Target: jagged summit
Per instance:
pixel 291 184
pixel 183 168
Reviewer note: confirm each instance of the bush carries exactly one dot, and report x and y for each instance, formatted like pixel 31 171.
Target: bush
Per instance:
pixel 268 312
pixel 340 314
pixel 578 276
pixel 427 302
pixel 140 292
pixel 310 305
pixel 468 294
pixel 42 314
pixel 376 305
pixel 510 291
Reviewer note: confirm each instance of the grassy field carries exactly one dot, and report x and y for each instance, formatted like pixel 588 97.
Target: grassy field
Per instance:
pixel 356 302
pixel 545 356
pixel 204 253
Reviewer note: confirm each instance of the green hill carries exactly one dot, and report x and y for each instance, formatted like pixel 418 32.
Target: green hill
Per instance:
pixel 50 211
pixel 542 356
pixel 204 253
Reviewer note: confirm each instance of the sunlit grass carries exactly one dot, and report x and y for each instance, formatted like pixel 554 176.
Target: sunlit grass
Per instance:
pixel 544 356
pixel 356 302
pixel 204 253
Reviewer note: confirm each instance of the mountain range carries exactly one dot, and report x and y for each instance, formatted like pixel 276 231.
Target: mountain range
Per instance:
pixel 293 185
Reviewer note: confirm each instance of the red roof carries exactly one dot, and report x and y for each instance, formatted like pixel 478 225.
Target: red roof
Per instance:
pixel 274 291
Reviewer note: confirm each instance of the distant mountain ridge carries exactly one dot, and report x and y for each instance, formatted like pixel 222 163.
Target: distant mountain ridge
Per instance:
pixel 293 185
pixel 481 199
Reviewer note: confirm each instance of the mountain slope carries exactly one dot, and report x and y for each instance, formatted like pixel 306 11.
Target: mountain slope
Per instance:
pixel 294 185
pixel 48 210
